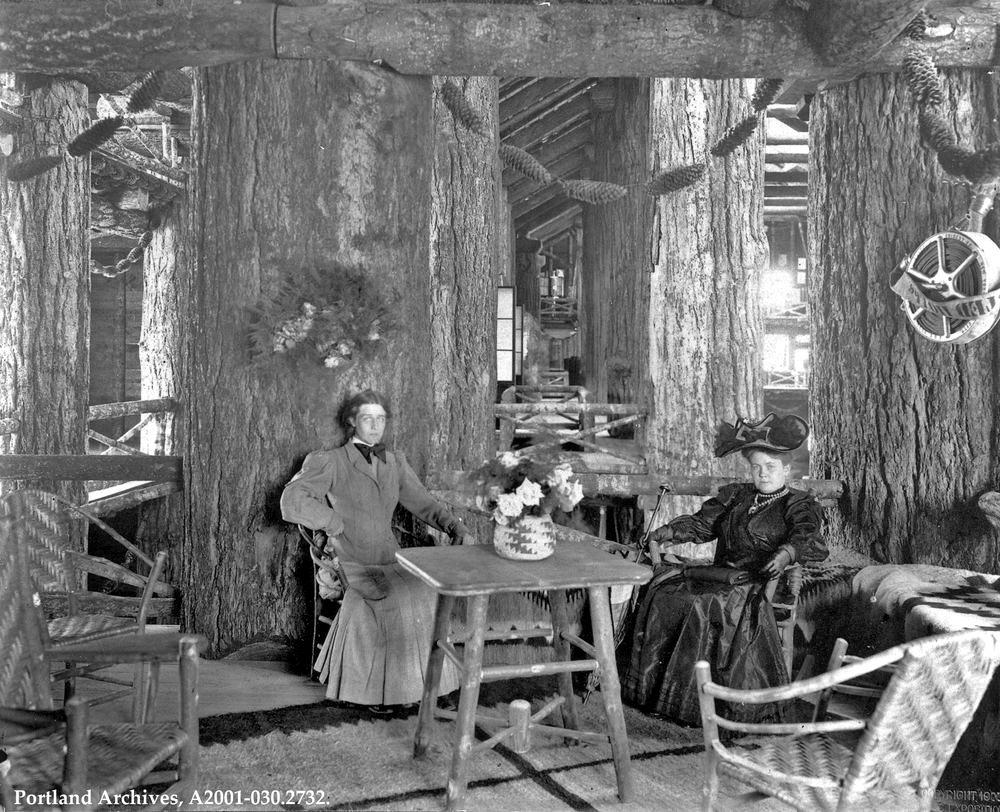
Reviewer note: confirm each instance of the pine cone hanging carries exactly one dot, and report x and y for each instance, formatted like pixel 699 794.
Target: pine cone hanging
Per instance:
pixel 94 136
pixel 765 93
pixel 735 136
pixel 593 191
pixel 675 179
pixel 24 170
pixel 455 101
pixel 520 161
pixel 916 28
pixel 954 160
pixel 935 129
pixel 922 76
pixel 144 95
pixel 991 161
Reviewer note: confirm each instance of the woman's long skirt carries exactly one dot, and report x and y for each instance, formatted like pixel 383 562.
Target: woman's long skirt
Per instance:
pixel 680 622
pixel 377 648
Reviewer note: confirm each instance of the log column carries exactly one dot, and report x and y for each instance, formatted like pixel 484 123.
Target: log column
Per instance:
pixel 45 284
pixel 296 166
pixel 911 426
pixel 707 246
pixel 615 238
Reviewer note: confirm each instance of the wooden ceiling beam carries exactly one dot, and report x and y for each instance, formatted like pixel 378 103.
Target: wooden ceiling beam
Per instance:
pixel 539 219
pixel 550 122
pixel 524 108
pixel 559 228
pixel 540 198
pixel 848 32
pixel 468 39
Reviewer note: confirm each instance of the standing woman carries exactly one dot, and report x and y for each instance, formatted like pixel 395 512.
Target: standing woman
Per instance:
pixel 721 613
pixel 378 645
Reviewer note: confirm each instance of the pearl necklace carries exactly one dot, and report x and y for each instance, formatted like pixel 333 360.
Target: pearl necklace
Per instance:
pixel 762 500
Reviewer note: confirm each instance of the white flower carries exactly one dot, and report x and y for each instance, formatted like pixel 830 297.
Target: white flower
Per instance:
pixel 510 504
pixel 569 497
pixel 332 361
pixel 559 475
pixel 529 492
pixel 509 460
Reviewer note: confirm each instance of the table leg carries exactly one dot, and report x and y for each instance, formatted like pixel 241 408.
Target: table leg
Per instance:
pixel 468 701
pixel 432 676
pixel 604 643
pixel 560 623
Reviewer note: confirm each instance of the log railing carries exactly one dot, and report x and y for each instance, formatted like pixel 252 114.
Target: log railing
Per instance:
pixel 136 477
pixel 554 415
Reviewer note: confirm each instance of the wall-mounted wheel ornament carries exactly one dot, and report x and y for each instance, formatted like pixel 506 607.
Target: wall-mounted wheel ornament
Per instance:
pixel 950 287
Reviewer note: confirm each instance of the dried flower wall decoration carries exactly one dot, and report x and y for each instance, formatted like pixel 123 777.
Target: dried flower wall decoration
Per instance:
pixel 329 316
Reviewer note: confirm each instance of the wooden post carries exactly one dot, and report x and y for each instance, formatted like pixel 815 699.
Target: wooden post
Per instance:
pixel 519 714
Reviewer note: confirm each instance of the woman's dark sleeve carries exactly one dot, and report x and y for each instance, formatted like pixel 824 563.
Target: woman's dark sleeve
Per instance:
pixel 703 526
pixel 804 516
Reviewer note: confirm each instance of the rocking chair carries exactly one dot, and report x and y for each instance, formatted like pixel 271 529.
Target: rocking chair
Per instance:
pixel 57 749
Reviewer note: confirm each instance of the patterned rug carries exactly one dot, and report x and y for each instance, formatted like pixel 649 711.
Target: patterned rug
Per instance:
pixel 336 757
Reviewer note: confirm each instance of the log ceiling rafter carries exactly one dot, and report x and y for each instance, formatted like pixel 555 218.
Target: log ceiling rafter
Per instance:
pixel 848 32
pixel 556 208
pixel 535 101
pixel 501 39
pixel 550 123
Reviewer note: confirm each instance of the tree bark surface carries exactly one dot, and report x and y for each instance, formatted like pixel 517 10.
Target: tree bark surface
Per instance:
pixel 296 167
pixel 707 246
pixel 45 287
pixel 615 240
pixel 464 273
pixel 909 425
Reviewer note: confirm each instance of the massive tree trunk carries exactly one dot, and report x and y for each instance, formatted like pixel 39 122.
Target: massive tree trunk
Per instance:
pixel 615 240
pixel 707 246
pixel 464 274
pixel 912 427
pixel 297 166
pixel 163 286
pixel 45 286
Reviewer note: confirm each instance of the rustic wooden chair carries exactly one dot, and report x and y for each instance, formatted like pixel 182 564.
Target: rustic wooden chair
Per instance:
pixel 783 594
pixel 80 615
pixel 57 749
pixel 326 601
pixel 899 753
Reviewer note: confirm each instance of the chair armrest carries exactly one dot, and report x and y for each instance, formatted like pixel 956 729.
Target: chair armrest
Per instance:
pixel 116 572
pixel 133 648
pixel 20 724
pixel 807 686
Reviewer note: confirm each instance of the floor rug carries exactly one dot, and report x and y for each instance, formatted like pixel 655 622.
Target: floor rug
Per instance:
pixel 330 756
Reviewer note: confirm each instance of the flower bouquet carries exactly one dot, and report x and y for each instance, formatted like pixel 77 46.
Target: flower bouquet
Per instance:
pixel 521 493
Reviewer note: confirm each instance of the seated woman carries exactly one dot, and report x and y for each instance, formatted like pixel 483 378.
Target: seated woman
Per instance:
pixel 726 619
pixel 378 645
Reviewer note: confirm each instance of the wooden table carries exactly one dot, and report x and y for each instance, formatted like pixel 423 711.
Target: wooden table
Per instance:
pixel 476 572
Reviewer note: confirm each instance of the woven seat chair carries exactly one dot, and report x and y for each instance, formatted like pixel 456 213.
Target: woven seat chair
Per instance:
pixel 57 750
pixel 898 754
pixel 81 615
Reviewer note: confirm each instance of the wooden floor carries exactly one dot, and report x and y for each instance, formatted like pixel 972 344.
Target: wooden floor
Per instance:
pixel 224 686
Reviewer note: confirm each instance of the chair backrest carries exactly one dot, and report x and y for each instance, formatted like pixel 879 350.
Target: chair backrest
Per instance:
pixel 42 530
pixel 923 712
pixel 24 674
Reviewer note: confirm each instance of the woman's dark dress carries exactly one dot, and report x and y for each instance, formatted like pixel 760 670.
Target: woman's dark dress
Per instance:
pixel 681 620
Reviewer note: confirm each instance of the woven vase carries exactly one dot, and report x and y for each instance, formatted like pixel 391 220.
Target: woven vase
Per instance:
pixel 528 538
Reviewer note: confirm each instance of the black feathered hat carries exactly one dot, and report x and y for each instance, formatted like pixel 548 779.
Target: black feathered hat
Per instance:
pixel 772 433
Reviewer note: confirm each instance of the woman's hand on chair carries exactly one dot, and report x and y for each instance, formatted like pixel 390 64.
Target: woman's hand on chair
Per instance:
pixel 777 564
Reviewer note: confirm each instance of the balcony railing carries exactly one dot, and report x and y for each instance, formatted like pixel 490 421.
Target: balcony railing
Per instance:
pixel 786 379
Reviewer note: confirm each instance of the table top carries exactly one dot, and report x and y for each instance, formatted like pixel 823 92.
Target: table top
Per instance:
pixel 475 569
